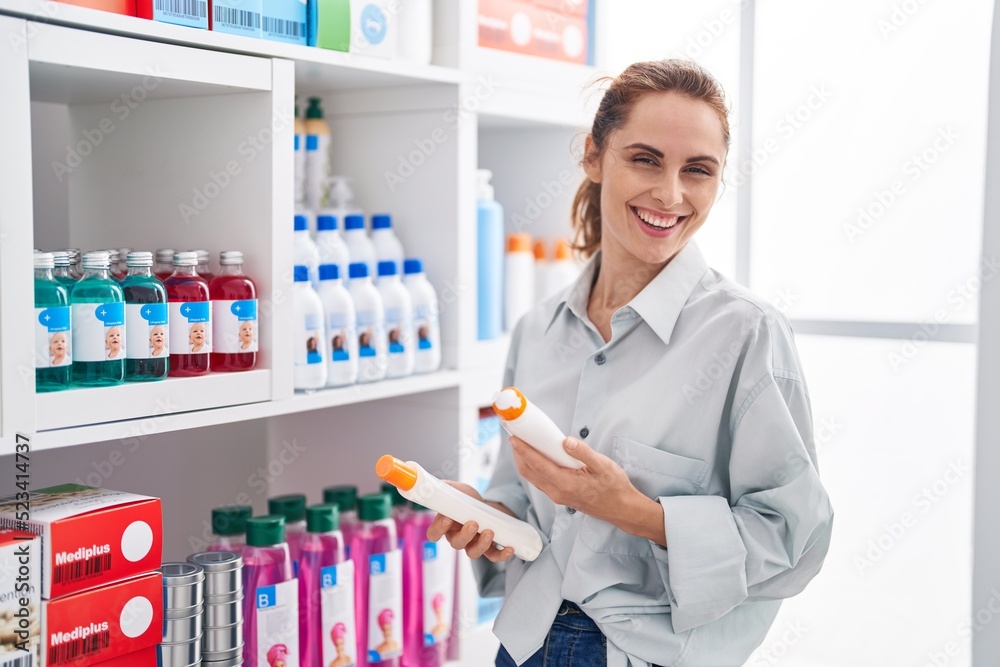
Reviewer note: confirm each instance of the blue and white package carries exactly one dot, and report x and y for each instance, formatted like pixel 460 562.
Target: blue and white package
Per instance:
pixel 284 21
pixel 237 17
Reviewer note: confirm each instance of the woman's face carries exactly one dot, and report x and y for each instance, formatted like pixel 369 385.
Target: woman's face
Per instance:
pixel 659 176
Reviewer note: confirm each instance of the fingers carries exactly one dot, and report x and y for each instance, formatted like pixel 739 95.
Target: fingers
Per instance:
pixel 461 538
pixel 499 555
pixel 439 526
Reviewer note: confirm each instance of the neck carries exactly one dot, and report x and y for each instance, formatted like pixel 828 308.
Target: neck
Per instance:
pixel 620 278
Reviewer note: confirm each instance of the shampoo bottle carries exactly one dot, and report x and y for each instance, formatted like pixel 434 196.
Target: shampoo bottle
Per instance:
pixel 317 155
pixel 304 250
pixel 426 328
pixel 341 328
pixel 229 528
pixel 387 245
pixel 519 279
pixel 398 320
pixel 489 259
pixel 378 584
pixel 527 421
pixel 428 591
pixel 345 497
pixel 358 244
pixel 310 334
pixel 326 592
pixel 293 507
pixel 270 595
pixel 373 358
pixel 332 249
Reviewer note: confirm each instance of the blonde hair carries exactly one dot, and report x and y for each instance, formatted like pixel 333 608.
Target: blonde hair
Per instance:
pixel 661 76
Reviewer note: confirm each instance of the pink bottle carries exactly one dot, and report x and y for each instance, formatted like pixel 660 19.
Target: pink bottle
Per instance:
pixel 378 584
pixel 428 592
pixel 265 563
pixel 346 498
pixel 322 547
pixel 229 528
pixel 293 508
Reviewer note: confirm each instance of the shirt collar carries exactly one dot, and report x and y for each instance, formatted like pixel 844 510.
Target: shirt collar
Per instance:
pixel 659 303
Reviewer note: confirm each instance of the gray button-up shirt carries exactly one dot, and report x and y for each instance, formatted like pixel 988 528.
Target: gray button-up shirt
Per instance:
pixel 700 397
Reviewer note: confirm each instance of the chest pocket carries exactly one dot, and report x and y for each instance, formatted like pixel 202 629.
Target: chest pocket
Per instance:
pixel 654 472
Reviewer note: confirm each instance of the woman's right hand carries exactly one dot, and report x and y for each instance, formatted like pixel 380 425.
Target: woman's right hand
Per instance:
pixel 467 537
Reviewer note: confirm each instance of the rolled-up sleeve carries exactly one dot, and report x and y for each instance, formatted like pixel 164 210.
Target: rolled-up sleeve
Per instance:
pixel 769 538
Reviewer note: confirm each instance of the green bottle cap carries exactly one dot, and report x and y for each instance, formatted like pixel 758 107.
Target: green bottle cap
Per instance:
pixel 265 531
pixel 322 518
pixel 314 110
pixel 395 497
pixel 231 519
pixel 345 496
pixel 292 506
pixel 374 507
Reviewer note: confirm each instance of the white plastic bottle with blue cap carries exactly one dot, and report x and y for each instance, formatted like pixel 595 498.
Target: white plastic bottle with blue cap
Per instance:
pixel 358 244
pixel 310 334
pixel 341 328
pixel 373 359
pixel 332 249
pixel 426 328
pixel 305 252
pixel 398 320
pixel 387 245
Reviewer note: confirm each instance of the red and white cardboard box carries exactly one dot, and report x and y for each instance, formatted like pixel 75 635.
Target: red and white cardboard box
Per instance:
pixel 20 556
pixel 103 624
pixel 90 536
pixel 522 26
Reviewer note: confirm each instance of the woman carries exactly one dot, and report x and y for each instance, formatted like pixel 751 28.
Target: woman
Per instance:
pixel 699 506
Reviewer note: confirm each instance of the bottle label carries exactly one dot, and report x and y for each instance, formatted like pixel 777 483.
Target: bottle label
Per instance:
pixel 340 332
pixel 98 331
pixel 439 588
pixel 369 332
pixel 340 641
pixel 423 322
pixel 235 326
pixel 311 350
pixel 385 605
pixel 53 337
pixel 191 327
pixel 278 624
pixel 397 327
pixel 147 326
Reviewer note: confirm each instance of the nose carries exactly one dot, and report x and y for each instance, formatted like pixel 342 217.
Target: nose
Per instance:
pixel 668 190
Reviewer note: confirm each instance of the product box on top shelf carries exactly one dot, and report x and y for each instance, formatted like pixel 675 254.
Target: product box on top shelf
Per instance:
pixel 236 17
pixel 330 25
pixel 20 637
pixel 535 28
pixel 124 618
pixel 126 7
pixel 374 26
pixel 285 21
pixel 90 536
pixel 190 13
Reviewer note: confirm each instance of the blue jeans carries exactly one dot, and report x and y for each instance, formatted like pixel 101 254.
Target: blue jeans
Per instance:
pixel 573 641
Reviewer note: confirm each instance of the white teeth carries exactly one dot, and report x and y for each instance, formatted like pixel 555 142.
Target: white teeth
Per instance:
pixel 655 221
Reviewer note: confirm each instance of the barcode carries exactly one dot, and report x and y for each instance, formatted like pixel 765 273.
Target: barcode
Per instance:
pixel 81 569
pixel 284 27
pixel 194 8
pixel 20 661
pixel 240 17
pixel 78 648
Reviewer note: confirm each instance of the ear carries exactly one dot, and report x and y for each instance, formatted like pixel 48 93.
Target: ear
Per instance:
pixel 591 160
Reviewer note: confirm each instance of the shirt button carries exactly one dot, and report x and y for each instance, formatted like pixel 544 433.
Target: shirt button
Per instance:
pixel 571 510
pixel 584 432
pixel 600 358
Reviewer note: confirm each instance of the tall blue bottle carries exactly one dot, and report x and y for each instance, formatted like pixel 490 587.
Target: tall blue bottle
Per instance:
pixel 489 255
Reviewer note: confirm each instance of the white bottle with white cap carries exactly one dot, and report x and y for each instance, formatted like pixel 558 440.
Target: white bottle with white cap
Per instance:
pixel 426 328
pixel 341 328
pixel 398 321
pixel 310 335
pixel 373 359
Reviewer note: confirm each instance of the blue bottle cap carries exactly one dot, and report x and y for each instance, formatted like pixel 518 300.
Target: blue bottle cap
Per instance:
pixel 354 222
pixel 387 268
pixel 413 265
pixel 358 270
pixel 301 273
pixel 329 272
pixel 382 221
pixel 300 223
pixel 325 223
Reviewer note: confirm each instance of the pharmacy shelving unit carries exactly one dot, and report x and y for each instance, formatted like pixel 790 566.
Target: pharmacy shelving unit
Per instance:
pixel 123 132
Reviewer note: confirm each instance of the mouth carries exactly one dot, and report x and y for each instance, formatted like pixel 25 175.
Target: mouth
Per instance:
pixel 657 224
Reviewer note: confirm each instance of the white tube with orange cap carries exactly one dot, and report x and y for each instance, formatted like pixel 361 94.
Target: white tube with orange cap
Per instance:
pixel 527 421
pixel 416 484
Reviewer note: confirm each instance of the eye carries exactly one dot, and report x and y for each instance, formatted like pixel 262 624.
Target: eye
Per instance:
pixel 644 159
pixel 700 170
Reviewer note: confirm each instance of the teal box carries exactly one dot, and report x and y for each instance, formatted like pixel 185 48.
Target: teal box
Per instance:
pixel 237 17
pixel 285 21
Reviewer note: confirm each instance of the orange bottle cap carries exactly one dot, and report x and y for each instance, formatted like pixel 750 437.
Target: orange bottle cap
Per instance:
pixel 563 249
pixel 540 250
pixel 519 242
pixel 396 472
pixel 507 413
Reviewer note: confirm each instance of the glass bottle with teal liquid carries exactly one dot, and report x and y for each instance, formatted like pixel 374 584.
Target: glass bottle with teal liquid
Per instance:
pixel 63 271
pixel 147 353
pixel 98 312
pixel 53 341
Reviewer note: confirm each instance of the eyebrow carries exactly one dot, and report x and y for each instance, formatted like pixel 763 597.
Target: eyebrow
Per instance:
pixel 659 154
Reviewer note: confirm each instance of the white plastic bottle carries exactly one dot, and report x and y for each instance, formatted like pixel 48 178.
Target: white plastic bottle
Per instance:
pixel 563 271
pixel 416 20
pixel 421 487
pixel 541 270
pixel 305 252
pixel 310 336
pixel 317 155
pixel 519 279
pixel 387 245
pixel 527 421
pixel 373 359
pixel 332 249
pixel 358 244
pixel 341 328
pixel 426 328
pixel 341 198
pixel 398 321
pixel 300 159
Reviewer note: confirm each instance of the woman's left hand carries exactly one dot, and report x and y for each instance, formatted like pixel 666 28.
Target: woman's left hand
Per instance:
pixel 600 489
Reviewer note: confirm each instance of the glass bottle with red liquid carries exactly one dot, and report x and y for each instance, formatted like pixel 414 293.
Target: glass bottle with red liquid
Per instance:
pixel 190 318
pixel 234 315
pixel 164 263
